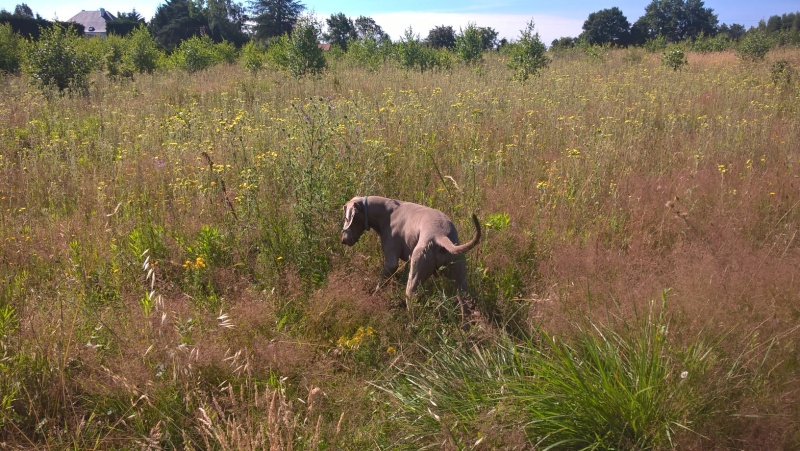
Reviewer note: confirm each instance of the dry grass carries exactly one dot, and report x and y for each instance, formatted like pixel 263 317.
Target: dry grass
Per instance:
pixel 620 180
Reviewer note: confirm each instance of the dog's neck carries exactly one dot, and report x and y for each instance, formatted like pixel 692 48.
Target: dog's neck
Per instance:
pixel 378 208
pixel 366 215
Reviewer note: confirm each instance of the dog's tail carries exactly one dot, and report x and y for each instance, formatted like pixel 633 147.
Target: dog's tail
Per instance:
pixel 460 249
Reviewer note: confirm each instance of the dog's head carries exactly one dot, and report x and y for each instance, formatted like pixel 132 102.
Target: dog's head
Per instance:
pixel 353 221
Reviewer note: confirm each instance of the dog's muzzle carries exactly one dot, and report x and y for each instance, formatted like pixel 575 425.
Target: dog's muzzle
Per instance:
pixel 349 238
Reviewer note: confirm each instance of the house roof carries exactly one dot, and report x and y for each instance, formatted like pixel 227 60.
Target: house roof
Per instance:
pixel 94 22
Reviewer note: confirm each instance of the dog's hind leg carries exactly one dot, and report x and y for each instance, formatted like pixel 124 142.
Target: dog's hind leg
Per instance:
pixel 457 272
pixel 421 266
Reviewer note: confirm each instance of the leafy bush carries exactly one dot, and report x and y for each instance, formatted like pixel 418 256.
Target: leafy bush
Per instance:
pixel 708 44
pixel 252 58
pixel 368 53
pixel 10 49
pixel 675 58
pixel 469 45
pixel 278 52
pixel 782 73
pixel 137 53
pixel 563 43
pixel 299 53
pixel 657 44
pixel 96 49
pixel 304 54
pixel 225 52
pixel 754 46
pixel 200 53
pixel 142 52
pixel 596 53
pixel 528 55
pixel 411 53
pixel 57 61
pixel 114 59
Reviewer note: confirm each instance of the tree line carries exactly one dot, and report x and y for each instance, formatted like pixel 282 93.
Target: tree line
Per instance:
pixel 674 21
pixel 266 20
pixel 193 35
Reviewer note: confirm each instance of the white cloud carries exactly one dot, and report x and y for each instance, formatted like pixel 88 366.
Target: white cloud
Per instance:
pixel 508 26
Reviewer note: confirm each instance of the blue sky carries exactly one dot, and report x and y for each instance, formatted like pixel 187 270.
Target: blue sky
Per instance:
pixel 508 17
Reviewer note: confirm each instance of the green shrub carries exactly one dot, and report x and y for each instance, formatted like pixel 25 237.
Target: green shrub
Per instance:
pixel 142 52
pixel 367 53
pixel 200 53
pixel 10 49
pixel 469 45
pixel 528 56
pixel 782 73
pixel 411 53
pixel 278 52
pixel 303 52
pixel 299 53
pixel 754 46
pixel 675 58
pixel 252 58
pixel 225 53
pixel 114 59
pixel 95 49
pixel 57 61
pixel 657 44
pixel 708 44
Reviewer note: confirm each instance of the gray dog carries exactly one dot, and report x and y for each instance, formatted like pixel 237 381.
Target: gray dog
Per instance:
pixel 409 231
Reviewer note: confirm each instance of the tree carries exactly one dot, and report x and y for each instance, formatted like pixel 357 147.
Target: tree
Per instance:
pixel 298 51
pixel 528 55
pixel 366 28
pixel 734 31
pixel 469 44
pixel 441 37
pixel 132 16
pixel 488 37
pixel 142 52
pixel 777 23
pixel 11 45
pixel 305 56
pixel 564 42
pixel 57 61
pixel 774 24
pixel 677 20
pixel 176 21
pixel 274 18
pixel 226 21
pixel 341 29
pixel 23 10
pixel 754 46
pixel 125 23
pixel 607 26
pixel 413 54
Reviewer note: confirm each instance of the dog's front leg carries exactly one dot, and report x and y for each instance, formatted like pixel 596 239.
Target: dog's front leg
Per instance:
pixel 390 265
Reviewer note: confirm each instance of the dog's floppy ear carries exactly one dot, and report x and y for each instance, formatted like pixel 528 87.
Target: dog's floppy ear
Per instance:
pixel 349 215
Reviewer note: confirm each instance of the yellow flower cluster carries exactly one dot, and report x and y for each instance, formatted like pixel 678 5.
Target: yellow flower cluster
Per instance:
pixel 362 334
pixel 198 263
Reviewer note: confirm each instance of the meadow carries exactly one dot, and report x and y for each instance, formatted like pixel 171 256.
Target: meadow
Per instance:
pixel 171 274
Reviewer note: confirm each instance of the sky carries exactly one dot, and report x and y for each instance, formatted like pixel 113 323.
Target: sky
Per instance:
pixel 553 19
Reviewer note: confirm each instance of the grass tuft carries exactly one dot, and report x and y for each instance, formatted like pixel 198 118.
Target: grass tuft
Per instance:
pixel 623 386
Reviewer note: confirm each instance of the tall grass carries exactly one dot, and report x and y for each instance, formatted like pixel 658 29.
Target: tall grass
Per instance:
pixel 626 385
pixel 602 181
